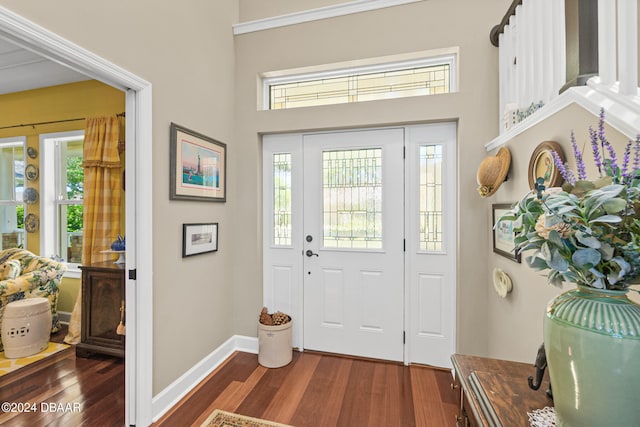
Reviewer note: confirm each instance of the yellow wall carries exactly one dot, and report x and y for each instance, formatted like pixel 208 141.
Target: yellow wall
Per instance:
pixel 63 102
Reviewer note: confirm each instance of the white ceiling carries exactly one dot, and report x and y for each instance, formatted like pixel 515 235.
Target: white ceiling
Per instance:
pixel 21 70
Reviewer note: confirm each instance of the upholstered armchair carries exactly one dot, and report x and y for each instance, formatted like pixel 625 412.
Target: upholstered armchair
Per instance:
pixel 26 275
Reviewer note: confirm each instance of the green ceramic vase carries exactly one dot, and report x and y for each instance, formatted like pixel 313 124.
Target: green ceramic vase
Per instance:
pixel 592 342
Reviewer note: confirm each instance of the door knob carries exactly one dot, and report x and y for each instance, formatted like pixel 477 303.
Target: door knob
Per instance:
pixel 310 253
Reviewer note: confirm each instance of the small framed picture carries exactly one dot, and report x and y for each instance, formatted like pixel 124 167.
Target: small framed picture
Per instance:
pixel 503 234
pixel 198 166
pixel 199 238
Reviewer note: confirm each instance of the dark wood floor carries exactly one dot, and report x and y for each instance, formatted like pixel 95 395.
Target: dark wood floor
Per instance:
pixel 313 390
pixel 322 390
pixel 64 391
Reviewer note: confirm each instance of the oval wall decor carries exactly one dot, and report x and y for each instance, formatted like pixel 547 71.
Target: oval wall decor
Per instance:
pixel 30 196
pixel 31 172
pixel 31 223
pixel 541 165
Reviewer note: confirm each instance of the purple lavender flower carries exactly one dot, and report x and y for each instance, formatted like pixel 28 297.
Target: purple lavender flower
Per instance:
pixel 613 159
pixel 636 156
pixel 569 176
pixel 597 158
pixel 582 170
pixel 625 161
pixel 560 165
pixel 601 127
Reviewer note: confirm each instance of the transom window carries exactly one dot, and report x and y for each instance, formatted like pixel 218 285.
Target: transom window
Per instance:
pixel 427 76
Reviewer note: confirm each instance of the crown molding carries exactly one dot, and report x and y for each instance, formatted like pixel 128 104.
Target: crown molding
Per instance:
pixel 315 14
pixel 623 111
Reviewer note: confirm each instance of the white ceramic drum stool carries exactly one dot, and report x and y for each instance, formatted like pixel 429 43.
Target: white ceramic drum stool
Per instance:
pixel 26 327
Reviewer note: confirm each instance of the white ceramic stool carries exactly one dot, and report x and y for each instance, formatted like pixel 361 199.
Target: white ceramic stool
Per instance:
pixel 26 327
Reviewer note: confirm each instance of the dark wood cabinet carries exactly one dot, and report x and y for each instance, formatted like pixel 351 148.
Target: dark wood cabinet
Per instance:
pixel 103 287
pixel 495 392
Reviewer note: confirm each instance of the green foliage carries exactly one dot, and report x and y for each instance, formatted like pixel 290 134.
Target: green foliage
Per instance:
pixel 75 191
pixel 74 218
pixel 587 234
pixel 75 178
pixel 20 215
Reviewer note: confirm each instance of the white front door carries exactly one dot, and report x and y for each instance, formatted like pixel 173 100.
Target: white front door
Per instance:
pixel 354 248
pixel 360 243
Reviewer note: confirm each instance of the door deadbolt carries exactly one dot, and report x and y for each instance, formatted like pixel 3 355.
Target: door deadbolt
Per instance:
pixel 309 238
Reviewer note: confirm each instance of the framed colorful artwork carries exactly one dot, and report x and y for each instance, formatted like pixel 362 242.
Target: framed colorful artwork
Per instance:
pixel 198 166
pixel 503 234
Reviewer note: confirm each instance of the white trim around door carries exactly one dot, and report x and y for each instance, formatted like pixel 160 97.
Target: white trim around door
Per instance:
pixel 429 216
pixel 139 366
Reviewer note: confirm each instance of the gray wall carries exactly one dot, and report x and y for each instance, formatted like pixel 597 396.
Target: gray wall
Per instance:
pixel 431 24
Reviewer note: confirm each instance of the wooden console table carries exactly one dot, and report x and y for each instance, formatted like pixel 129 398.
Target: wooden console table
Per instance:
pixel 495 393
pixel 103 294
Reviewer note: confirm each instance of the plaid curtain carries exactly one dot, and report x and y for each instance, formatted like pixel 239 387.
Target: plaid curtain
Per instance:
pixel 102 196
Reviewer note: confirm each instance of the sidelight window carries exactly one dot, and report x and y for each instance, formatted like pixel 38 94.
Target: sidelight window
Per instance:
pixel 282 199
pixel 431 198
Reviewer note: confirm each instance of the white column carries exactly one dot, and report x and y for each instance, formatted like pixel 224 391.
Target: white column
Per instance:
pixel 628 46
pixel 607 41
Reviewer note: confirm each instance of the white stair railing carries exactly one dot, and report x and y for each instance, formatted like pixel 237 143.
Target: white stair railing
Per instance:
pixel 532 39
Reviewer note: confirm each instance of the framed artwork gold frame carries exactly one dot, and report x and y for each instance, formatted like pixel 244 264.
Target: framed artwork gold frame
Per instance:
pixel 541 165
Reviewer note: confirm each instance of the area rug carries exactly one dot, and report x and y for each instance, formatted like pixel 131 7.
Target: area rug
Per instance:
pixel 10 365
pixel 220 418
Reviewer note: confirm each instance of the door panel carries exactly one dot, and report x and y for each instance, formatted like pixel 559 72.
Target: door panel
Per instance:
pixel 431 239
pixel 353 278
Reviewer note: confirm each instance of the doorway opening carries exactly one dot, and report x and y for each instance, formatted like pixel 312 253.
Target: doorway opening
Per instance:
pixel 138 370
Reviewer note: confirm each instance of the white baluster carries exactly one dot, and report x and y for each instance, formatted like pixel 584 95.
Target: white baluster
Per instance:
pixel 559 46
pixel 607 41
pixel 502 80
pixel 546 60
pixel 526 54
pixel 537 58
pixel 518 48
pixel 628 46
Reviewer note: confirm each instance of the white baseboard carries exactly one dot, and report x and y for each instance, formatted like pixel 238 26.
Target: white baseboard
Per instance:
pixel 64 317
pixel 171 395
